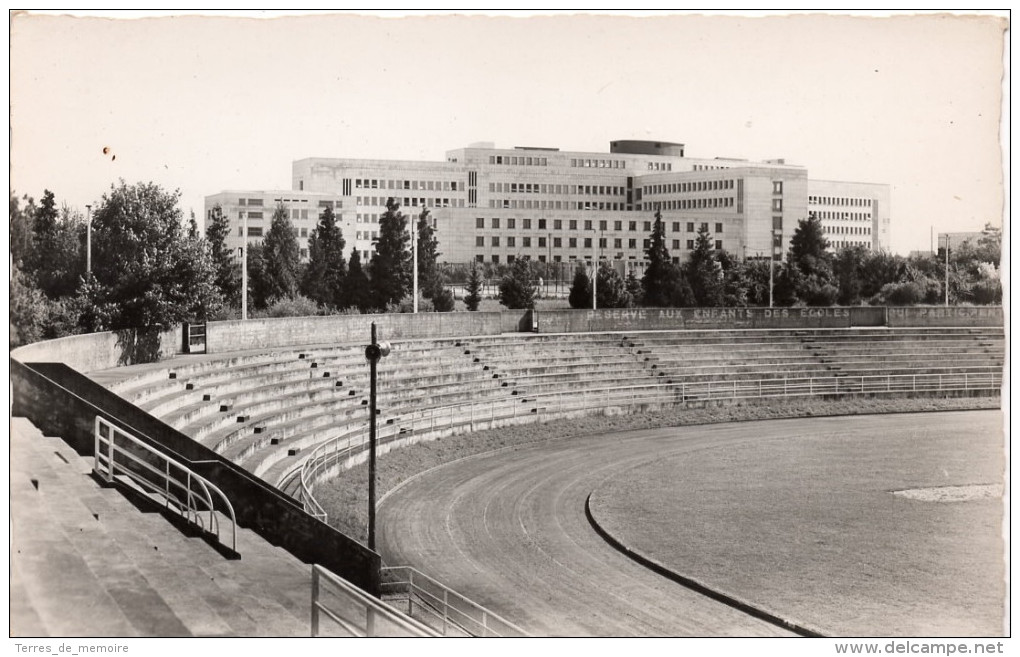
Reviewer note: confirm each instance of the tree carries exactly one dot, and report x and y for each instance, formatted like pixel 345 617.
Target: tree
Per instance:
pixel 390 267
pixel 227 269
pixel 848 268
pixel 474 289
pixel 611 291
pixel 634 288
pixel 28 310
pixel 517 288
pixel 356 292
pixel 989 248
pixel 704 273
pixel 428 255
pixel 580 289
pixel 808 247
pixel 21 230
pixel 44 231
pixel 144 265
pixel 259 285
pixel 662 283
pixel 323 280
pixel 282 256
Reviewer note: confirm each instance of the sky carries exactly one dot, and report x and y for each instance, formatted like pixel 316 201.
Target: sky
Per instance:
pixel 206 104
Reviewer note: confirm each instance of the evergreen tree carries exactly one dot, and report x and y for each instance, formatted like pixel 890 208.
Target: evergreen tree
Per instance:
pixel 808 248
pixel 282 257
pixel 21 220
pixel 662 283
pixel 634 288
pixel 704 272
pixel 428 256
pixel 356 292
pixel 611 290
pixel 323 280
pixel 226 265
pixel 474 288
pixel 517 289
pixel 390 267
pixel 580 289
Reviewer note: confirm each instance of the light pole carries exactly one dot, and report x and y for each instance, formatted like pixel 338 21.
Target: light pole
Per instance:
pixel 88 240
pixel 595 275
pixel 947 270
pixel 414 265
pixel 373 353
pixel 244 267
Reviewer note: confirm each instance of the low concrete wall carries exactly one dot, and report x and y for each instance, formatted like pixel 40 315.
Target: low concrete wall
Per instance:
pixel 238 335
pixel 101 351
pixel 651 319
pixel 953 316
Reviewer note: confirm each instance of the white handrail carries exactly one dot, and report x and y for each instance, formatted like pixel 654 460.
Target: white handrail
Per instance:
pixel 197 496
pixel 373 609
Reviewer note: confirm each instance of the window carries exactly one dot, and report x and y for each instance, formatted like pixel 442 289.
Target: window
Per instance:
pixel 557 242
pixel 676 228
pixel 495 240
pixel 603 225
pixel 240 231
pixel 676 244
pixel 479 241
pixel 527 224
pixel 648 226
pixel 631 244
pixel 602 242
pixel 690 245
pixel 557 224
pixel 777 186
pixel 495 259
pixel 511 242
pixel 573 224
pixel 777 223
pixel 511 223
pixel 254 231
pixel 617 225
pixel 587 242
pixel 617 243
pixel 718 228
pixel 480 222
pixel 541 224
pixel 254 215
pixel 304 253
pixel 304 232
pixel 632 225
pixel 495 222
pixel 587 224
pixel 690 226
pixel 542 242
pixel 777 205
pixel 479 258
pixel 718 245
pixel 704 226
pixel 527 242
pixel 572 242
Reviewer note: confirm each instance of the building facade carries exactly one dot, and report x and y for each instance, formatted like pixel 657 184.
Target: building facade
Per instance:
pixel 497 205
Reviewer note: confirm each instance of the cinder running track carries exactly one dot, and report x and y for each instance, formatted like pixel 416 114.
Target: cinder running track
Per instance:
pixel 509 530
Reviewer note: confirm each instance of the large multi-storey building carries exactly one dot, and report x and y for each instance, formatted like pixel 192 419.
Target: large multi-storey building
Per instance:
pixel 496 205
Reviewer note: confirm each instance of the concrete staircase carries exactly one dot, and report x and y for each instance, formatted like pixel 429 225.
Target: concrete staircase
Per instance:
pixel 87 562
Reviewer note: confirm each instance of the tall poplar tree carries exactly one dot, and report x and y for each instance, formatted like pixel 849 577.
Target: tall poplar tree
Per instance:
pixel 324 276
pixel 390 267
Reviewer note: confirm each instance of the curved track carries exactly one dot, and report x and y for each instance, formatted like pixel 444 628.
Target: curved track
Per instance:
pixel 508 529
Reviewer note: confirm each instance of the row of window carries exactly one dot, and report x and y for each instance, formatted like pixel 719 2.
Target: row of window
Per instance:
pixel 848 230
pixel 543 188
pixel 588 224
pixel 840 200
pixel 695 203
pixel 258 203
pixel 578 242
pixel 588 163
pixel 853 216
pixel 689 187
pixel 412 202
pixel 510 259
pixel 519 160
pixel 424 185
pixel 528 204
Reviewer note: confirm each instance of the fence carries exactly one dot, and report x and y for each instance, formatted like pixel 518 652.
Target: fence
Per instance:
pixel 194 497
pixel 447 611
pixel 350 447
pixel 342 602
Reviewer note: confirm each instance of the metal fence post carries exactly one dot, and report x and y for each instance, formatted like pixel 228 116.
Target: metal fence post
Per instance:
pixel 315 601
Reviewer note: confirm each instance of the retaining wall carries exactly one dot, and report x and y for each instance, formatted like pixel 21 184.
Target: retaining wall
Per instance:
pixel 101 351
pixel 953 316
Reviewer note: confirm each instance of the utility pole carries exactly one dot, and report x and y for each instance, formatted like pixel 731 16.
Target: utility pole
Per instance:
pixel 88 240
pixel 595 276
pixel 947 270
pixel 244 268
pixel 414 259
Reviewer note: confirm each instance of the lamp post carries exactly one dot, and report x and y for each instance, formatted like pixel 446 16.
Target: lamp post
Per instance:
pixel 88 240
pixel 595 275
pixel 244 267
pixel 373 353
pixel 947 270
pixel 414 265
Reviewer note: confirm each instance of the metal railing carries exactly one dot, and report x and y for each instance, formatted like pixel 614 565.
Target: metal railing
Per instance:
pixel 196 498
pixel 347 604
pixel 349 448
pixel 447 611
